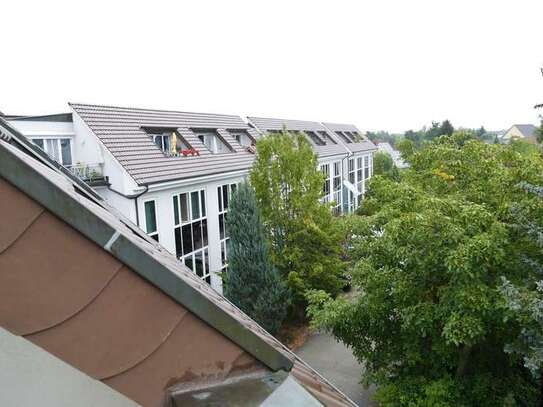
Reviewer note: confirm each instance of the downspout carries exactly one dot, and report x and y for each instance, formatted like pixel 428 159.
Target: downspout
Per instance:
pixel 132 196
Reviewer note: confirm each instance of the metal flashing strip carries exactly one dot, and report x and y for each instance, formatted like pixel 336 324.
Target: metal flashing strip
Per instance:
pixel 142 258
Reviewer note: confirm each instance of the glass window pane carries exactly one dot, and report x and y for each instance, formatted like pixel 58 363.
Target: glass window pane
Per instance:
pixel 184 208
pixel 206 261
pixel 223 252
pixel 38 142
pixel 219 197
pixel 232 189
pixel 226 225
pixel 195 205
pixel 204 231
pixel 51 147
pixel 176 209
pixel 150 216
pixel 199 263
pixel 187 239
pixel 197 235
pixel 221 226
pixel 155 236
pixel 225 196
pixel 178 244
pixel 66 152
pixel 203 202
pixel 189 262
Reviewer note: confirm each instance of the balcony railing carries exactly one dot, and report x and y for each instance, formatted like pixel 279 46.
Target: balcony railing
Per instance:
pixel 88 172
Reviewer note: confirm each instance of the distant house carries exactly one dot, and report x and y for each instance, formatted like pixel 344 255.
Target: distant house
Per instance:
pixel 393 153
pixel 94 312
pixel 524 132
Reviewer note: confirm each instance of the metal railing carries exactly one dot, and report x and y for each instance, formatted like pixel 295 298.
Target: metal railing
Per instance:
pixel 88 172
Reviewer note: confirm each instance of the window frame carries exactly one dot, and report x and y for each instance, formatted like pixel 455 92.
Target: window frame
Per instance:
pixel 58 147
pixel 202 253
pixel 155 235
pixel 222 217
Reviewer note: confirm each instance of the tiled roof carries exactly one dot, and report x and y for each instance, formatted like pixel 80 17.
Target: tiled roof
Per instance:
pixel 365 145
pixel 527 130
pixel 121 130
pixel 62 299
pixel 267 124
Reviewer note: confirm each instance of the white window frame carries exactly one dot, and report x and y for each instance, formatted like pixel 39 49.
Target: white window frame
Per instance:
pixel 155 235
pixel 203 217
pixel 222 213
pixel 325 169
pixel 162 137
pixel 58 147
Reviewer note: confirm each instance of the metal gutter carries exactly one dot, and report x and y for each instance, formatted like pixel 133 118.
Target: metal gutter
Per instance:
pixel 139 257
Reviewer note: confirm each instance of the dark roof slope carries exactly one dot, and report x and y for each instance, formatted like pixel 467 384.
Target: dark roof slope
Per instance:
pixel 267 124
pixel 527 130
pixel 364 145
pixel 121 130
pixel 63 299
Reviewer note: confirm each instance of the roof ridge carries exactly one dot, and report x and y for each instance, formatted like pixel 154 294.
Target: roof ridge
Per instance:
pixel 143 109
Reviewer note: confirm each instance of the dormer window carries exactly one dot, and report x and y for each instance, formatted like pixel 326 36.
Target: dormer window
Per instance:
pixel 213 141
pixel 242 137
pixel 344 137
pixel 316 140
pixel 325 136
pixel 168 140
pixel 163 141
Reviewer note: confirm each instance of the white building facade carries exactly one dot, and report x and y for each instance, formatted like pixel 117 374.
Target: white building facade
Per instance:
pixel 172 173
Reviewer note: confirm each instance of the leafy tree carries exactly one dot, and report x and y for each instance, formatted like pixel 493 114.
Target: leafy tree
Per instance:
pixel 428 256
pixel 539 132
pixel 251 282
pixel 384 165
pixel 305 239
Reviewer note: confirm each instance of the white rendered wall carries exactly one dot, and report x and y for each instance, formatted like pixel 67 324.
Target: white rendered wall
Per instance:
pixel 165 217
pixel 43 128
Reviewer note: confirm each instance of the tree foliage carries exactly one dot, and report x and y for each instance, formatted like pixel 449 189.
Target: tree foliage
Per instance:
pixel 251 282
pixel 428 256
pixel 305 239
pixel 384 165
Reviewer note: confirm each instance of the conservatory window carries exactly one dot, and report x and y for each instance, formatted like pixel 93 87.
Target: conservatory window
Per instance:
pixel 190 232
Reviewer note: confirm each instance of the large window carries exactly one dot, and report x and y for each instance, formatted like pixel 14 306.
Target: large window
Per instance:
pixel 359 179
pixel 150 219
pixel 224 192
pixel 325 168
pixel 366 167
pixel 356 172
pixel 59 149
pixel 336 180
pixel 190 230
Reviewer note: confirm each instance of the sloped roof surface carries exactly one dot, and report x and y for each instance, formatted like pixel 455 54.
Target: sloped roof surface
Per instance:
pixel 121 130
pixel 168 326
pixel 355 147
pixel 527 130
pixel 268 124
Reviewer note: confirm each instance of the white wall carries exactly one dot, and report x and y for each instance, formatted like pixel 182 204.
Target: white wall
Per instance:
pixel 43 128
pixel 165 216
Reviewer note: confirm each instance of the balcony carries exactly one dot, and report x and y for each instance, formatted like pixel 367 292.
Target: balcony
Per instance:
pixel 92 174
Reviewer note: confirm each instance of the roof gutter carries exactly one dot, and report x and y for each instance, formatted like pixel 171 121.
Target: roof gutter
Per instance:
pixel 131 196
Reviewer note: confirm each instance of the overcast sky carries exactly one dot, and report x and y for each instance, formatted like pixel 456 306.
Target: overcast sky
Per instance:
pixel 392 65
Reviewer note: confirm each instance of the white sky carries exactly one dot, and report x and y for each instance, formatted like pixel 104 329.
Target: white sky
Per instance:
pixel 389 65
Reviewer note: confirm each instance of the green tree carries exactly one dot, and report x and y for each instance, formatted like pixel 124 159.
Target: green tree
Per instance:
pixel 384 165
pixel 428 256
pixel 251 282
pixel 306 240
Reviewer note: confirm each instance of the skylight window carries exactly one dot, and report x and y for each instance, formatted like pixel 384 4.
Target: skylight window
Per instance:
pixel 327 137
pixel 213 141
pixel 316 140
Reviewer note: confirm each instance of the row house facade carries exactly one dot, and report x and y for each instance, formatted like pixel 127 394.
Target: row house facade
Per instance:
pixel 172 173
